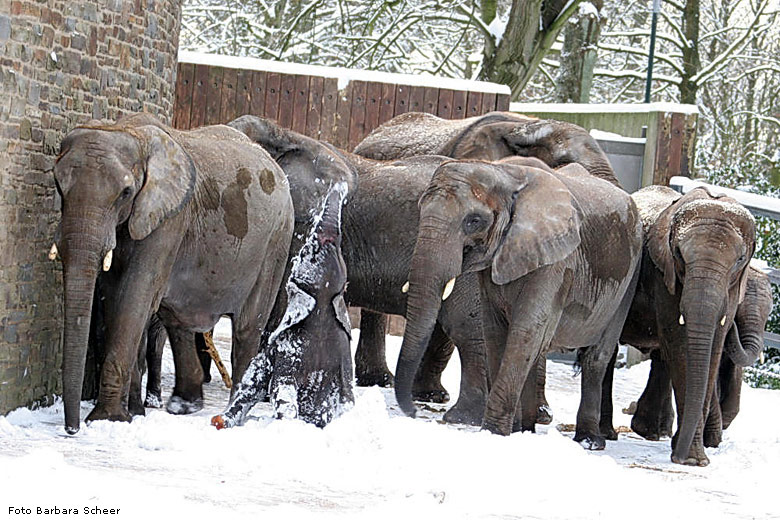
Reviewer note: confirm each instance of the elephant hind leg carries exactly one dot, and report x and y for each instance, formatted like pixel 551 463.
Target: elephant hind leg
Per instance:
pixel 427 383
pixel 654 414
pixel 543 410
pixel 370 358
pixel 155 343
pixel 187 394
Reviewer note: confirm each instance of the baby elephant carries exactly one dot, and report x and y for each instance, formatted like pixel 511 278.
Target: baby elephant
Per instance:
pixel 307 367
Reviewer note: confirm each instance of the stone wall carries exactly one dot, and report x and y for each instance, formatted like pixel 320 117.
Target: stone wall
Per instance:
pixel 62 63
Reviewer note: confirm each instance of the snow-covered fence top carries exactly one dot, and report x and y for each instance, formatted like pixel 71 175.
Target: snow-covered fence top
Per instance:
pixel 669 129
pixel 337 105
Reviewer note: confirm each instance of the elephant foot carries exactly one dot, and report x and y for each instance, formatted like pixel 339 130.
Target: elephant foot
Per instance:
pixel 464 412
pixel 153 400
pixel 136 407
pixel 519 426
pixel 497 427
pixel 712 438
pixel 646 429
pixel 700 460
pixel 609 433
pixel 207 377
pixel 380 378
pixel 103 412
pixel 179 406
pixel 590 441
pixel 544 414
pixel 431 395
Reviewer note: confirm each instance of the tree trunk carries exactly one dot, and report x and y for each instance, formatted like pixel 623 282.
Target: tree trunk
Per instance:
pixel 690 52
pixel 578 56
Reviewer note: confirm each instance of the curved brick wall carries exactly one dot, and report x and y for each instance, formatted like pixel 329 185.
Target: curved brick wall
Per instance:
pixel 62 62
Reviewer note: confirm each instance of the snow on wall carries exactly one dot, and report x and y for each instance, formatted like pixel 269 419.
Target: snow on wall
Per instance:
pixel 759 204
pixel 343 75
pixel 591 108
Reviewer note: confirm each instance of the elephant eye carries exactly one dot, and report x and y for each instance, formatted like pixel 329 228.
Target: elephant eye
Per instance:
pixel 474 223
pixel 126 193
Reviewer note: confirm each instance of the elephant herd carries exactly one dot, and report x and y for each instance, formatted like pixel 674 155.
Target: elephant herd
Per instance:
pixel 504 235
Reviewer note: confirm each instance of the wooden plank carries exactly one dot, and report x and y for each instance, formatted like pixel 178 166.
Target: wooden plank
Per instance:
pixel 227 110
pixel 272 84
pixel 416 99
pixel 402 99
pixel 661 173
pixel 502 102
pixel 243 91
pixel 199 90
pixel 676 137
pixel 330 102
pixel 214 95
pixel 444 107
pixel 357 116
pixel 300 103
pixel 340 133
pixel 257 99
pixel 488 103
pixel 373 106
pixel 430 100
pixel 314 113
pixel 474 104
pixel 459 104
pixel 689 145
pixel 286 100
pixel 387 103
pixel 183 102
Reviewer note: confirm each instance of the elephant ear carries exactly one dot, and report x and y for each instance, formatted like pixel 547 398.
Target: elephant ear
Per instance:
pixel 169 182
pixel 544 227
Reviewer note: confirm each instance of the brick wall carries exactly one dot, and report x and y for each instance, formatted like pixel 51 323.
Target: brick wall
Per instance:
pixel 62 62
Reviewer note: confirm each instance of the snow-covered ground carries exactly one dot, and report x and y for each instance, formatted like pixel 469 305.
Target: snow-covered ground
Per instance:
pixel 374 463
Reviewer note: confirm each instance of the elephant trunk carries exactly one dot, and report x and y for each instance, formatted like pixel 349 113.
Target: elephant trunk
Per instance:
pixel 743 345
pixel 702 307
pixel 81 256
pixel 431 270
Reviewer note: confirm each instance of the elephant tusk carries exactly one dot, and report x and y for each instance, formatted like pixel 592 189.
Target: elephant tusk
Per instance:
pixel 681 320
pixel 53 252
pixel 723 320
pixel 761 357
pixel 448 289
pixel 107 260
pixel 405 288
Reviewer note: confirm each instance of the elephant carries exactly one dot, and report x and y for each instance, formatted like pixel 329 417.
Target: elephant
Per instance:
pixel 488 137
pixel 557 260
pixel 654 414
pixel 307 367
pixel 191 225
pixel 694 275
pixel 379 230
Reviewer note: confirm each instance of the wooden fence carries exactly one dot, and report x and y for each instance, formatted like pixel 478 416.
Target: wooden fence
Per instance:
pixel 339 106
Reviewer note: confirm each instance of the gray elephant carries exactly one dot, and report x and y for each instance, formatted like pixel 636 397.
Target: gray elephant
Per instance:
pixel 192 225
pixel 694 275
pixel 489 137
pixel 654 413
pixel 307 367
pixel 557 258
pixel 380 226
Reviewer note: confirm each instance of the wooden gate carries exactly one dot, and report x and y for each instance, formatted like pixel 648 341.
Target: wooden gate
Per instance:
pixel 340 106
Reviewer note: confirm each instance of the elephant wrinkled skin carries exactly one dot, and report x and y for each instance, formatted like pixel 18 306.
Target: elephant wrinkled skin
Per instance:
pixel 192 225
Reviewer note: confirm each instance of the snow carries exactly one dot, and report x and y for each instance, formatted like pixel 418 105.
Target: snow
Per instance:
pixel 497 28
pixel 372 462
pixel 591 108
pixel 343 75
pixel 611 136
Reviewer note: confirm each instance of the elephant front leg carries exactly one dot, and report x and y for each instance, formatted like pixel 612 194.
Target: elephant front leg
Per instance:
pixel 654 413
pixel 543 410
pixel 370 359
pixel 187 394
pixel 427 383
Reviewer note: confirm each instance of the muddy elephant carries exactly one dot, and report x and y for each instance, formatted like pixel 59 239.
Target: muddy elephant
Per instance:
pixel 557 258
pixel 488 137
pixel 654 415
pixel 380 225
pixel 151 206
pixel 307 367
pixel 694 276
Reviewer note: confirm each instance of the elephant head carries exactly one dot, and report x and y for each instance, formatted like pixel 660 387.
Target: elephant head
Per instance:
pixel 112 179
pixel 477 216
pixel 310 165
pixel 701 245
pixel 556 143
